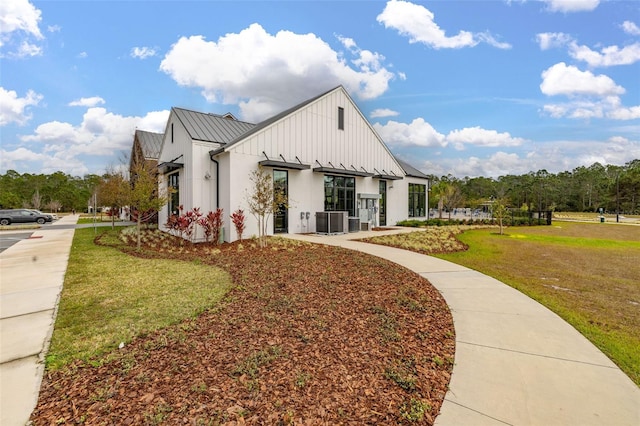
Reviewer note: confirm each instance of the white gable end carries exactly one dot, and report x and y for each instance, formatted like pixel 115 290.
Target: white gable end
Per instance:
pixel 311 135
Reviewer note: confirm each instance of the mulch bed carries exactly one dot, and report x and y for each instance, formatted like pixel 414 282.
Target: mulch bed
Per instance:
pixel 309 335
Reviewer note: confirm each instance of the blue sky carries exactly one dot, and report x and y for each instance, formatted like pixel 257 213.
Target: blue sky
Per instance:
pixel 468 88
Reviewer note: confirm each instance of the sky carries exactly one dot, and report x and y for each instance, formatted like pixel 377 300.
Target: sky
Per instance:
pixel 467 88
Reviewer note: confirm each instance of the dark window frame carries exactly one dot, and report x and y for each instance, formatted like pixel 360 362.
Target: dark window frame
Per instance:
pixel 173 183
pixel 340 118
pixel 340 194
pixel 417 200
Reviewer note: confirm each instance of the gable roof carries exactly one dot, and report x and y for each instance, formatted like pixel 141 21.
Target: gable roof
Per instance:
pixel 150 144
pixel 276 117
pixel 209 127
pixel 410 170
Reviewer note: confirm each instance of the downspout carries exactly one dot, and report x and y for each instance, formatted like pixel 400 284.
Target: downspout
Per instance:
pixel 217 183
pixel 212 154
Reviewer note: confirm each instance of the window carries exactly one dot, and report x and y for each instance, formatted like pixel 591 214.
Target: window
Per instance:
pixel 280 216
pixel 417 200
pixel 340 118
pixel 171 132
pixel 339 194
pixel 173 184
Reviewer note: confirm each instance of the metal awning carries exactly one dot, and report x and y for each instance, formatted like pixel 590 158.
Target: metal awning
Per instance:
pixel 284 165
pixel 168 167
pixel 387 177
pixel 346 172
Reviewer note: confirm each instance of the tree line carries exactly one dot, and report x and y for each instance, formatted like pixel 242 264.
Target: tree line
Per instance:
pixel 612 188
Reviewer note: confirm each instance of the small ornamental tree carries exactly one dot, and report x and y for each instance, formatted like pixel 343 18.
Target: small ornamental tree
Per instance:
pixel 264 201
pixel 145 195
pixel 212 225
pixel 113 190
pixel 500 212
pixel 238 220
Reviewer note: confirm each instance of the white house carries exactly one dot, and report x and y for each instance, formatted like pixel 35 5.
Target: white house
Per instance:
pixel 323 153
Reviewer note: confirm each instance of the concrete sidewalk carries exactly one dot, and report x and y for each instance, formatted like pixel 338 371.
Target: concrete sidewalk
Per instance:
pixel 516 362
pixel 31 277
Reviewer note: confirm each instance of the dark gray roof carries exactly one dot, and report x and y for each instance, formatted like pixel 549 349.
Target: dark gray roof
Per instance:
pixel 209 127
pixel 410 170
pixel 150 143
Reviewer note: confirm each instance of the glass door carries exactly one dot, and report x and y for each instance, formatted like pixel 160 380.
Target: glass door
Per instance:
pixel 281 215
pixel 383 203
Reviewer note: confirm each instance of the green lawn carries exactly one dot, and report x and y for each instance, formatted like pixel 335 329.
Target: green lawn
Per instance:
pixel 588 273
pixel 110 297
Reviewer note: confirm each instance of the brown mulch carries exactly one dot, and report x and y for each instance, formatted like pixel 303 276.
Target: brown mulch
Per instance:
pixel 309 335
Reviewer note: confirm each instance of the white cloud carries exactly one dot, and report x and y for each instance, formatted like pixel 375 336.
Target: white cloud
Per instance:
pixel 551 40
pixel 554 156
pixel 14 109
pixel 571 5
pixel 417 23
pixel 608 56
pixel 416 133
pixel 19 15
pixel 19 25
pixel 561 79
pixel 54 28
pixel 83 55
pixel 590 96
pixel 383 112
pixel 481 137
pixel 267 73
pixel 87 102
pixel 630 28
pixel 101 133
pixel 143 52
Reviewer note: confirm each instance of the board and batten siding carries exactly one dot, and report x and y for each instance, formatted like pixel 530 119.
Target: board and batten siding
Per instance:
pixel 312 134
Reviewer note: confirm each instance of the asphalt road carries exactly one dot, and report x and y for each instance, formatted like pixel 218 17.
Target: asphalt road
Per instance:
pixel 10 238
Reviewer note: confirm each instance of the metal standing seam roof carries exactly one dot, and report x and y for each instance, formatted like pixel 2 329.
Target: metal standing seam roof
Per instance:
pixel 410 170
pixel 150 144
pixel 209 127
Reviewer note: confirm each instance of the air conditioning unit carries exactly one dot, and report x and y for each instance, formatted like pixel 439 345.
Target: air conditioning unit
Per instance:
pixel 332 222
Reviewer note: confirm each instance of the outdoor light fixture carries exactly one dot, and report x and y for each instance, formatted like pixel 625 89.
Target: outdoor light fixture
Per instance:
pixel 207 176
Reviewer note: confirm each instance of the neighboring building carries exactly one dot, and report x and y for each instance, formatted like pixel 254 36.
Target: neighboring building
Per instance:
pixel 146 147
pixel 323 153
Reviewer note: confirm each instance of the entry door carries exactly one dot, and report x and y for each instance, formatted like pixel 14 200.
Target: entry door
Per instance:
pixel 281 215
pixel 383 203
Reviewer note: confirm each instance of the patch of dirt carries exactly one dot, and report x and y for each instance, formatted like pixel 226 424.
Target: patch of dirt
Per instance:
pixel 309 335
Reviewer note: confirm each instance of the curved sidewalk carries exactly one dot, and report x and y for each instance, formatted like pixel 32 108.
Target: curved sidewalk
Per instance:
pixel 31 277
pixel 516 362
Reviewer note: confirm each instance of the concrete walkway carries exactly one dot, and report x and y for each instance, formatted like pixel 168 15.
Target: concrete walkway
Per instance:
pixel 31 277
pixel 516 362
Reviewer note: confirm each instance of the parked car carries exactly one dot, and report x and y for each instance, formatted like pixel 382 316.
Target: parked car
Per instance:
pixel 53 215
pixel 8 217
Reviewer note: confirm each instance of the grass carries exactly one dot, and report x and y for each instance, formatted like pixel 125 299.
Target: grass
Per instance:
pixel 110 297
pixel 588 273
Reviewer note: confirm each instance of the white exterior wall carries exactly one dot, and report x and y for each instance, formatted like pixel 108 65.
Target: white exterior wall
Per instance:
pixel 181 145
pixel 310 135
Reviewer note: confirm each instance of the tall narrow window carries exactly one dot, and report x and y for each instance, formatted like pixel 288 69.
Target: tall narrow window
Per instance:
pixel 340 118
pixel 174 198
pixel 280 216
pixel 171 132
